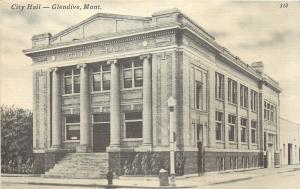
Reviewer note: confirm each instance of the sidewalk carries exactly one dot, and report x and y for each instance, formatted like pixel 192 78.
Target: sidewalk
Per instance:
pixel 152 182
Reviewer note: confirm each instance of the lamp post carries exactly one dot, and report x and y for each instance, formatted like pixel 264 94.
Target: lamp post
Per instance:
pixel 171 105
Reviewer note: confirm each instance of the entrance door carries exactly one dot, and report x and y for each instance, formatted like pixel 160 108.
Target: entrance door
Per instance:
pixel 101 137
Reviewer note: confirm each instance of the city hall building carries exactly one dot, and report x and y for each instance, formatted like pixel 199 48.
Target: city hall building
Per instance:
pixel 101 90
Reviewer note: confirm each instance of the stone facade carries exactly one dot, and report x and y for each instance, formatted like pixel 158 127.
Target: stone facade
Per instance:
pixel 81 74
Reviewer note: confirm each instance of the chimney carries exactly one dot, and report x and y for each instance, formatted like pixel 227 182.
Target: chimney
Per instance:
pixel 258 66
pixel 41 40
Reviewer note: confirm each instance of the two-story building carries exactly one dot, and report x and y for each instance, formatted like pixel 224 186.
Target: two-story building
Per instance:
pixel 102 86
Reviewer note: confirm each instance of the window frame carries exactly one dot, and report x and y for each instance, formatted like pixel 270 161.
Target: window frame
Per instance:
pixel 219 123
pixel 71 124
pixel 244 129
pixel 269 111
pixel 72 76
pixel 253 100
pixel 132 69
pixel 131 121
pixel 232 127
pixel 101 72
pixel 255 131
pixel 244 98
pixel 219 86
pixel 232 91
pixel 199 101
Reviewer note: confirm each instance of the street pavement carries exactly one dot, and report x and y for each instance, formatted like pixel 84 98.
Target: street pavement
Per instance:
pixel 271 178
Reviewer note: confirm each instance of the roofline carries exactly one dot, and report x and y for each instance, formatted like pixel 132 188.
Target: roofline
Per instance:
pixel 298 124
pixel 103 15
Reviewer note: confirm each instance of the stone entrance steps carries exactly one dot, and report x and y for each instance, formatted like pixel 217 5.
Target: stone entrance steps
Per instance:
pixel 80 165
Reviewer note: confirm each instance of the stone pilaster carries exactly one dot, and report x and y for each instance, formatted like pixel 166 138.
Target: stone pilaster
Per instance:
pixel 226 126
pixel 115 122
pixel 147 102
pixel 84 109
pixel 238 119
pixel 249 119
pixel 56 109
pixel 212 110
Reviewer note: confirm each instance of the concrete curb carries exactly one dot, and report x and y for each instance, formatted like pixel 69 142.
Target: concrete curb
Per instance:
pixel 230 181
pixel 19 175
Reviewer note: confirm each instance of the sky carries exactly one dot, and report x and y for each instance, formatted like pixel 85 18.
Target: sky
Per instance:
pixel 252 30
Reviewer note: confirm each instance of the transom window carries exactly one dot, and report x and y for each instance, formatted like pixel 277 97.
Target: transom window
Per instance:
pixel 244 96
pixel 253 101
pixel 101 78
pixel 133 73
pixel 244 123
pixel 133 125
pixel 253 131
pixel 101 118
pixel 219 86
pixel 232 91
pixel 219 125
pixel 72 81
pixel 72 123
pixel 231 124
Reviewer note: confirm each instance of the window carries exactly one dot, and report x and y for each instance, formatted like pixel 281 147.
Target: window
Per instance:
pixel 72 127
pixel 219 86
pixel 269 111
pixel 231 124
pixel 133 125
pixel 101 78
pixel 199 95
pixel 253 101
pixel 219 125
pixel 233 163
pixel 101 118
pixel 244 96
pixel 72 81
pixel 253 131
pixel 133 73
pixel 244 123
pixel 232 91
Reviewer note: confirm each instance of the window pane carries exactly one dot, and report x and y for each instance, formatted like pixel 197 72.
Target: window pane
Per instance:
pixel 68 85
pixel 96 82
pixel 138 63
pixel 106 67
pixel 127 79
pixel 133 115
pixel 103 117
pixel 253 135
pixel 127 64
pixel 68 72
pixel 106 81
pixel 134 129
pixel 231 133
pixel 96 69
pixel 243 134
pixel 138 77
pixel 218 131
pixel 76 71
pixel 76 84
pixel 199 95
pixel 73 119
pixel 73 132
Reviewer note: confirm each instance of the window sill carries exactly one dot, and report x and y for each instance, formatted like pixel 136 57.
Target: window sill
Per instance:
pixel 71 141
pixel 219 99
pixel 101 92
pixel 243 107
pixel 254 111
pixel 132 139
pixel 254 144
pixel 131 89
pixel 69 95
pixel 220 141
pixel 232 142
pixel 233 104
pixel 244 143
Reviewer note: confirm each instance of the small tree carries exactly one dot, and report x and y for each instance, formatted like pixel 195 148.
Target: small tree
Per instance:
pixel 16 138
